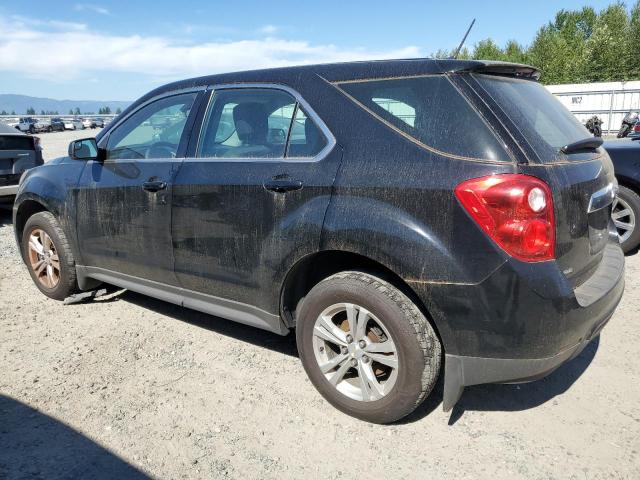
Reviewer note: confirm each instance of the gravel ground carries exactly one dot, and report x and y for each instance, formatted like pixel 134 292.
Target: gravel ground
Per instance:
pixel 56 144
pixel 130 387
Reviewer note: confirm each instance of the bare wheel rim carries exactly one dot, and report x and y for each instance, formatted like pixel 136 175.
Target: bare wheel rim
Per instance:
pixel 623 218
pixel 43 258
pixel 355 352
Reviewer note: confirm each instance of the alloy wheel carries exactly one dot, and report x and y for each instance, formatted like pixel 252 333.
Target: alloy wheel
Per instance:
pixel 43 258
pixel 623 218
pixel 355 352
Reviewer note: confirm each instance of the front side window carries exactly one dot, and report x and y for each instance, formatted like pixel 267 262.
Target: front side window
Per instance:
pixel 430 111
pixel 257 123
pixel 154 131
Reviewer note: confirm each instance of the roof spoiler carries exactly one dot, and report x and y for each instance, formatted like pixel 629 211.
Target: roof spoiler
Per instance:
pixel 505 70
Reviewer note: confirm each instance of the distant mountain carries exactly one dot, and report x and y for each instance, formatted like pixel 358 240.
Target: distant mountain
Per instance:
pixel 20 104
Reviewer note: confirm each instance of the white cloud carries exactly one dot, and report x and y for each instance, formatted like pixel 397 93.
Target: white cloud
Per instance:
pixel 81 7
pixel 76 51
pixel 21 23
pixel 269 29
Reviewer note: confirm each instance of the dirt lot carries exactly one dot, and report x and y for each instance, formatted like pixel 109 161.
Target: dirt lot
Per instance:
pixel 56 144
pixel 129 387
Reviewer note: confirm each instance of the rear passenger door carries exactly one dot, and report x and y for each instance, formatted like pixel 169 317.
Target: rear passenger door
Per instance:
pixel 252 198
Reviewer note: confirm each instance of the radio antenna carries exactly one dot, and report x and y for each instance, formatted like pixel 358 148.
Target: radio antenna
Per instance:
pixel 457 52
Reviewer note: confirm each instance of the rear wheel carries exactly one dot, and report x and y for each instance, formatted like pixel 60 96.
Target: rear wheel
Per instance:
pixel 626 214
pixel 366 347
pixel 49 257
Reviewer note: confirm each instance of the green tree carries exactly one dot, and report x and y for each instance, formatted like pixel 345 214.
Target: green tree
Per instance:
pixel 548 53
pixel 118 111
pixel 70 111
pixel 13 112
pixel 487 50
pixel 4 112
pixel 608 48
pixel 31 111
pixel 77 111
pixel 107 110
pixel 514 52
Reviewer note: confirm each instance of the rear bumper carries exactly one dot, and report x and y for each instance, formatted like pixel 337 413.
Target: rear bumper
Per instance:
pixel 461 371
pixel 522 322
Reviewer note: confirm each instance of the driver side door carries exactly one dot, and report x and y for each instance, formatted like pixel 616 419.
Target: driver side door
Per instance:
pixel 124 202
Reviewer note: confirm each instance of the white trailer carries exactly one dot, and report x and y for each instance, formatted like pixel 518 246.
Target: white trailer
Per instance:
pixel 610 101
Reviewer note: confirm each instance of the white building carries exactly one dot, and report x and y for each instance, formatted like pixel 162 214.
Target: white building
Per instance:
pixel 610 101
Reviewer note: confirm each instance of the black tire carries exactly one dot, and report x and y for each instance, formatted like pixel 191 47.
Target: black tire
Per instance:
pixel 67 283
pixel 418 347
pixel 632 199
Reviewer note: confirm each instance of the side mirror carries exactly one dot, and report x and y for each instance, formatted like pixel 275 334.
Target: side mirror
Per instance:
pixel 85 149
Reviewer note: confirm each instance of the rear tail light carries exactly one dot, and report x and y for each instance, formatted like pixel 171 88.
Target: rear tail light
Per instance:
pixel 636 128
pixel 515 210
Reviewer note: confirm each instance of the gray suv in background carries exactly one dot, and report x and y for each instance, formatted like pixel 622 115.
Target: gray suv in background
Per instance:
pixel 18 152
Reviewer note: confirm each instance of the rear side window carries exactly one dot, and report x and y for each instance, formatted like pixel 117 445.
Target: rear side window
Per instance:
pixel 16 142
pixel 258 123
pixel 431 112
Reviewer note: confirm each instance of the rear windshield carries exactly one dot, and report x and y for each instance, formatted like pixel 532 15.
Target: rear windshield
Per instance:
pixel 432 112
pixel 15 142
pixel 541 118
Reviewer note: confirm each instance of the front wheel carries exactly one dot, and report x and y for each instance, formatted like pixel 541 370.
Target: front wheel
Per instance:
pixel 366 347
pixel 625 214
pixel 48 256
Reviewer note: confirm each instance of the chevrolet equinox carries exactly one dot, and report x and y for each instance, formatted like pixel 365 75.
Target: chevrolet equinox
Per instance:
pixel 404 217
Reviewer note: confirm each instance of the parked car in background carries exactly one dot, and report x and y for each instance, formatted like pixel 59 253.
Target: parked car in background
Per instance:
pixel 43 125
pixel 27 124
pixel 57 124
pixel 625 155
pixel 88 123
pixel 18 153
pixel 635 133
pixel 349 202
pixel 73 124
pixel 98 122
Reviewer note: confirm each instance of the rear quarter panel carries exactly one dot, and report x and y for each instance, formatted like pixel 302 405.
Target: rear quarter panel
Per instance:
pixel 394 202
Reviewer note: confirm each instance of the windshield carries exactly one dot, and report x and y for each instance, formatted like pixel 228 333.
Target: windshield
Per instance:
pixel 541 118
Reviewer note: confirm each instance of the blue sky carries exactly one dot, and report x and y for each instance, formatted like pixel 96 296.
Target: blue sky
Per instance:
pixel 118 50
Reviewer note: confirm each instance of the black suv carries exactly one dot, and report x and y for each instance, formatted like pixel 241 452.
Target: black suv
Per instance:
pixel 404 217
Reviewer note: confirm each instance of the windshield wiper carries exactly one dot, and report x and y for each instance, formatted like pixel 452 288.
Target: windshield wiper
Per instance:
pixel 584 144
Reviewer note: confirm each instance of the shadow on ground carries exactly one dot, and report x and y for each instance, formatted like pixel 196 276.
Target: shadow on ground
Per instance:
pixel 509 398
pixel 243 333
pixel 5 215
pixel 34 445
pixel 479 398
